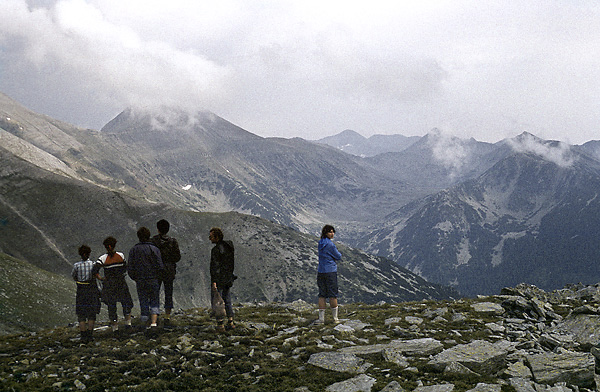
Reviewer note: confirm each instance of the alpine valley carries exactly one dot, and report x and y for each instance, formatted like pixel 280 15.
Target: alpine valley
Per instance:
pixel 430 217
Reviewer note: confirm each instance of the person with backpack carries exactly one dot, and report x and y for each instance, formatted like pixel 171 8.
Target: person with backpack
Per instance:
pixel 87 300
pixel 221 274
pixel 327 274
pixel 170 254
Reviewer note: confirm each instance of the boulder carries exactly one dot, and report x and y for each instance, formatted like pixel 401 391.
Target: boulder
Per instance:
pixel 479 356
pixel 362 382
pixel 574 368
pixel 339 362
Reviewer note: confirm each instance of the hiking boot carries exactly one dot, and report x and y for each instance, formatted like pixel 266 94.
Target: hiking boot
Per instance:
pixel 220 328
pixel 230 326
pixel 319 322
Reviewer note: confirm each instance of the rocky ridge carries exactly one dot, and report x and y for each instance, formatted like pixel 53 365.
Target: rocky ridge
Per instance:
pixel 523 339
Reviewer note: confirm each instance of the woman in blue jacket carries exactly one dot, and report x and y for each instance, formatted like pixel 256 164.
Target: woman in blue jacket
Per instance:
pixel 327 274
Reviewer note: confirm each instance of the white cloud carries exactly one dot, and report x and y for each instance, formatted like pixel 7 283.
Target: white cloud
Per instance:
pixel 288 68
pixel 449 151
pixel 557 152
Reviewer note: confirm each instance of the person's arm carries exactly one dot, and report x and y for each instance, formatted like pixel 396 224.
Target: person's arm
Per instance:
pixel 132 264
pixel 157 257
pixel 96 270
pixel 333 251
pixel 176 252
pixel 214 267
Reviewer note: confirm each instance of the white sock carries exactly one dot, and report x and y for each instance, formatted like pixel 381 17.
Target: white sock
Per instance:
pixel 334 312
pixel 153 325
pixel 321 314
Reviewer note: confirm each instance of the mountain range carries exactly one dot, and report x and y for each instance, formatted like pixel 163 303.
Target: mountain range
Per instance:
pixel 473 215
pixel 61 186
pixel 356 144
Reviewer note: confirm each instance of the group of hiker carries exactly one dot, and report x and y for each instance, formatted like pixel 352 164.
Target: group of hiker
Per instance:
pixel 151 264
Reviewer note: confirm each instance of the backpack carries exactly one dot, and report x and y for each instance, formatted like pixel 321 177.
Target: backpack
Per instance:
pixel 227 252
pixel 169 249
pixel 169 253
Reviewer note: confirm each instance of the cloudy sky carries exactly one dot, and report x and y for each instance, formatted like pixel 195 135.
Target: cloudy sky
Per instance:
pixel 483 68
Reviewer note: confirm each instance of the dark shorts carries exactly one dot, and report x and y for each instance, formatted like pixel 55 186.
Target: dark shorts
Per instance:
pixel 87 302
pixel 328 285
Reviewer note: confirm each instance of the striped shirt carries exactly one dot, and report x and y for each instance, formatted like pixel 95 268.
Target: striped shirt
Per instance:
pixel 82 271
pixel 114 265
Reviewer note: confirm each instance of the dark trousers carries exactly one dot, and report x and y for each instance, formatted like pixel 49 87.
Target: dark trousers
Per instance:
pixel 149 296
pixel 226 295
pixel 168 283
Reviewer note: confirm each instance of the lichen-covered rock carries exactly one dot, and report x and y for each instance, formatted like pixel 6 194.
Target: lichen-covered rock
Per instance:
pixel 339 362
pixel 360 383
pixel 479 356
pixel 574 368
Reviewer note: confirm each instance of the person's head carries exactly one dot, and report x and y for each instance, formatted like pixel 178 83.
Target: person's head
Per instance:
pixel 326 230
pixel 163 226
pixel 109 243
pixel 85 252
pixel 143 234
pixel 215 235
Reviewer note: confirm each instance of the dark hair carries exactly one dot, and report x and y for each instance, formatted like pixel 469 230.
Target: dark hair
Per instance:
pixel 112 241
pixel 143 234
pixel 218 233
pixel 85 251
pixel 326 229
pixel 163 226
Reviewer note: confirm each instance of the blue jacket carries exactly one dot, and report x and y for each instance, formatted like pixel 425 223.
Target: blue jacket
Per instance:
pixel 144 262
pixel 328 254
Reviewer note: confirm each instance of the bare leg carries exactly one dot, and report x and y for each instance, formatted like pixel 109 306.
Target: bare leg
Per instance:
pixel 322 303
pixel 332 302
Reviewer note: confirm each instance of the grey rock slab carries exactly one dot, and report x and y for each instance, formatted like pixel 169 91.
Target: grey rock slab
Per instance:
pixel 339 362
pixel 574 368
pixel 518 370
pixel 395 356
pixel 585 328
pixel 482 387
pixel 418 347
pixel 479 356
pixel 394 386
pixel 360 383
pixel 488 307
pixel 414 347
pixel 522 385
pixel 435 388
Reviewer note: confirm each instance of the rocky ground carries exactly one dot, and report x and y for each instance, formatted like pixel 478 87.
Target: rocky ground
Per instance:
pixel 523 339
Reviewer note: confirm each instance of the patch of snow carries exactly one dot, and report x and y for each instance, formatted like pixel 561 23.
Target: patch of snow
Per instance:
pixel 445 226
pixel 187 187
pixel 497 255
pixel 463 255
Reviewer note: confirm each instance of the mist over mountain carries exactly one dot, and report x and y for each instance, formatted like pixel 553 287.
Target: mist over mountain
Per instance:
pixel 457 212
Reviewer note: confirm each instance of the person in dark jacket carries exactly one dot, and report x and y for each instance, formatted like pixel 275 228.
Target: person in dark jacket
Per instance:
pixel 327 274
pixel 114 286
pixel 221 273
pixel 144 267
pixel 169 252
